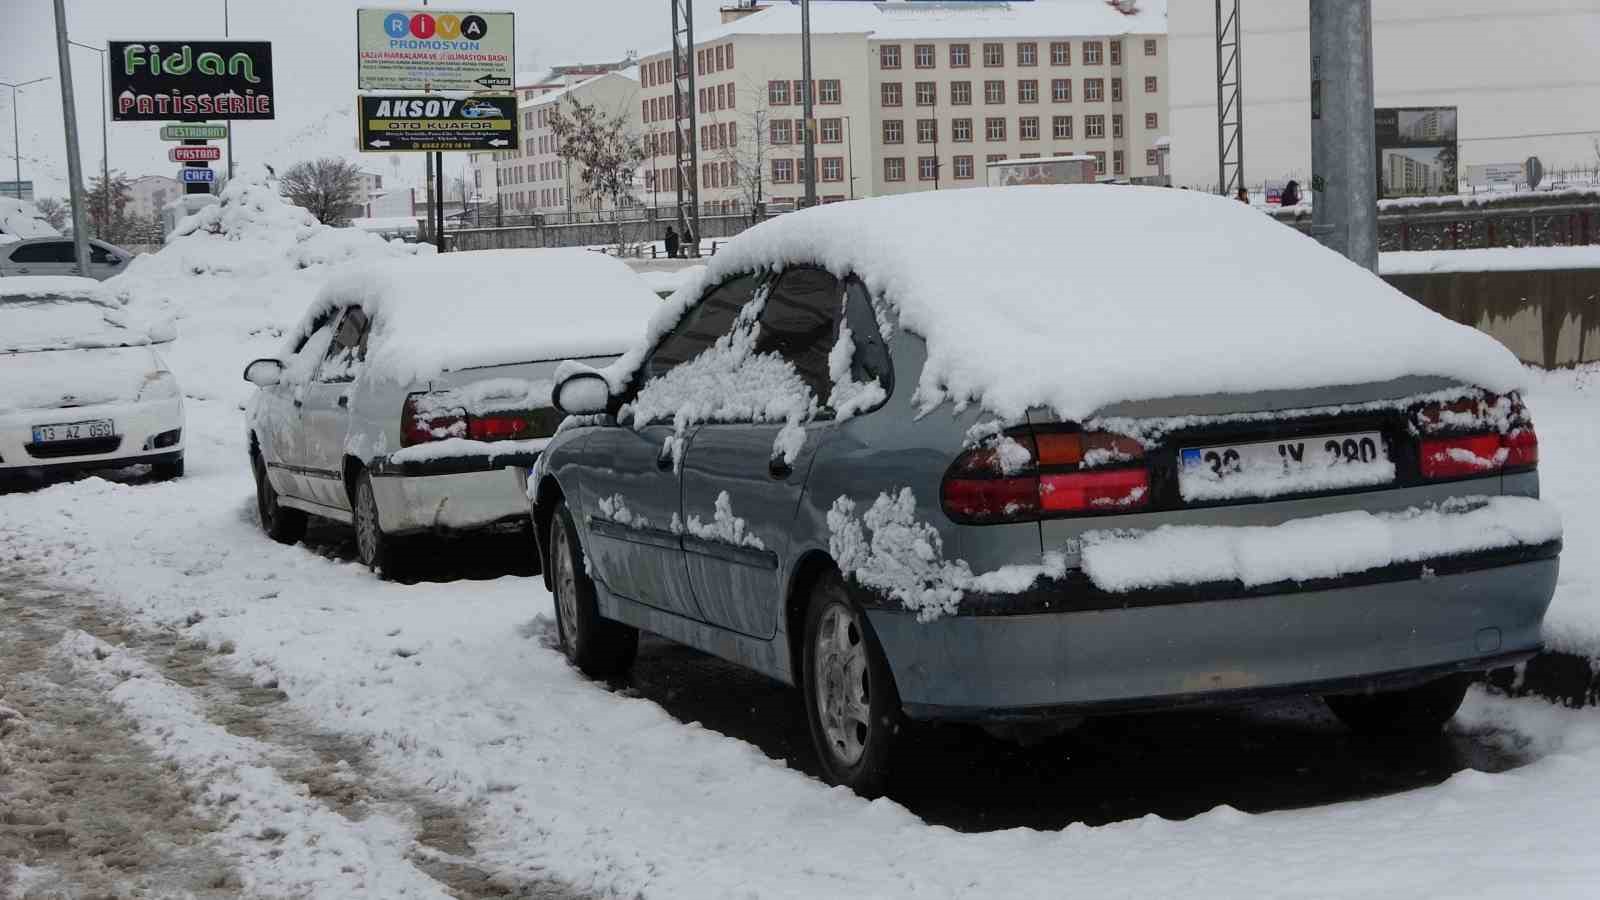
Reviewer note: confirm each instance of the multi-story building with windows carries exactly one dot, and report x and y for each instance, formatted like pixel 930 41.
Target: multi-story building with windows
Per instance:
pixel 909 96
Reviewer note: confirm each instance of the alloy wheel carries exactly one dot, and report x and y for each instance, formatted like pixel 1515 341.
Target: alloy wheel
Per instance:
pixel 566 590
pixel 843 688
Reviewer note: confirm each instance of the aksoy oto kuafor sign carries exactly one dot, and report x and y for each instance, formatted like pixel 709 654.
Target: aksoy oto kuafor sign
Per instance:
pixel 434 50
pixel 166 80
pixel 431 124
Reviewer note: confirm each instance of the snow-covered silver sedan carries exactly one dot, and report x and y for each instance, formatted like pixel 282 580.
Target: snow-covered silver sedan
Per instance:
pixel 81 385
pixel 1019 455
pixel 400 398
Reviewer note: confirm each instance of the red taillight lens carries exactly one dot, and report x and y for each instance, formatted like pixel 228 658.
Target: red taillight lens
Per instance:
pixel 1112 489
pixel 1462 457
pixel 992 499
pixel 1021 475
pixel 420 424
pixel 1522 448
pixel 1498 436
pixel 500 427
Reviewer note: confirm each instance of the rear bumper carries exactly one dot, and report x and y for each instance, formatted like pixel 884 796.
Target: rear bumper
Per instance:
pixel 1218 647
pixel 449 501
pixel 145 432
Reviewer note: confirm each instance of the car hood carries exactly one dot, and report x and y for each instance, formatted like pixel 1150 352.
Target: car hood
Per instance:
pixel 52 379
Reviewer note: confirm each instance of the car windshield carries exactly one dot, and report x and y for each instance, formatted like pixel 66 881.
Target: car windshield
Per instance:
pixel 31 322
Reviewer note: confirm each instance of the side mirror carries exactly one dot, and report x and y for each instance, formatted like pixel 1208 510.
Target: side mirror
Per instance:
pixel 581 394
pixel 164 331
pixel 264 372
pixel 113 260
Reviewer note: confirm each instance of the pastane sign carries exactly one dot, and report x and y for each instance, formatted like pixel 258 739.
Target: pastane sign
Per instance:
pixel 165 80
pixel 433 124
pixel 434 50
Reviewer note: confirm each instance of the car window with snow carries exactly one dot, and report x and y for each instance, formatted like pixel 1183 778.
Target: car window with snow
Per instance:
pixel 31 322
pixel 797 323
pixel 348 347
pixel 701 325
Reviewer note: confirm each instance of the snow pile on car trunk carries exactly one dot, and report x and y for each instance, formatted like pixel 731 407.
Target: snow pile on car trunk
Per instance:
pixel 20 220
pixel 1073 297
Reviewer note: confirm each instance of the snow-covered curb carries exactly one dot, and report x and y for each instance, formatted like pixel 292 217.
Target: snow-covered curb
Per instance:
pixel 1494 259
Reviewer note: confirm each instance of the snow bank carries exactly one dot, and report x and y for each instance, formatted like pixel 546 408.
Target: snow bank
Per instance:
pixel 487 307
pixel 1564 407
pixel 1074 297
pixel 1495 259
pixel 21 220
pixel 1318 547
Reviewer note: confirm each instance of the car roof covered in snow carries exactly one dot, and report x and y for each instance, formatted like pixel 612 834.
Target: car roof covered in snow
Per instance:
pixel 53 285
pixel 432 314
pixel 1075 297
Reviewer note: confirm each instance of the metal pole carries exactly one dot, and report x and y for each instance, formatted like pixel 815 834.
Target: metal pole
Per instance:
pixel 105 141
pixel 1344 163
pixel 805 75
pixel 69 110
pixel 850 157
pixel 230 122
pixel 16 135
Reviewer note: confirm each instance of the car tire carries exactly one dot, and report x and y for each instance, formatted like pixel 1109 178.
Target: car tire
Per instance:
pixel 282 524
pixel 167 471
pixel 374 549
pixel 1420 710
pixel 852 705
pixel 596 646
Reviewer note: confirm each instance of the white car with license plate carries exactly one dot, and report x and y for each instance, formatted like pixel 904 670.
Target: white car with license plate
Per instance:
pixel 81 385
pixel 410 388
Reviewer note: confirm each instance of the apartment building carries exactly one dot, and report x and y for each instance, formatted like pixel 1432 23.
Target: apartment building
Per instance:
pixel 535 179
pixel 910 96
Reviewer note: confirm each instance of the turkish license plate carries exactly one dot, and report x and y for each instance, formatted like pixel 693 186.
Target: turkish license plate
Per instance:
pixel 73 431
pixel 1290 466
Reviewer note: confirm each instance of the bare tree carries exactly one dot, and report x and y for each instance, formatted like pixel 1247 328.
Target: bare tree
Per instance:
pixel 605 152
pixel 328 188
pixel 54 211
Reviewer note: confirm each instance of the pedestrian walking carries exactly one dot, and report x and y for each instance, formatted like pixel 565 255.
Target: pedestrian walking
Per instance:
pixel 1291 194
pixel 671 240
pixel 1242 195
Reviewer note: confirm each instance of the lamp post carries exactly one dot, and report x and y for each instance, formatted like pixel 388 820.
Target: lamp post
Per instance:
pixel 105 139
pixel 16 135
pixel 850 157
pixel 69 113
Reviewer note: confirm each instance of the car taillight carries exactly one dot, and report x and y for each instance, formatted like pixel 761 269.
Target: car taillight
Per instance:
pixel 499 427
pixel 1021 476
pixel 422 421
pixel 1479 435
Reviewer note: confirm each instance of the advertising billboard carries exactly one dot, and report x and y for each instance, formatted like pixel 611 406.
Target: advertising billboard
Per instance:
pixel 165 80
pixel 433 50
pixel 433 124
pixel 1417 151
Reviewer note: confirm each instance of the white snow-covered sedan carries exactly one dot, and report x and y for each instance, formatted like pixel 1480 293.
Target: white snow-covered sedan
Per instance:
pixel 81 385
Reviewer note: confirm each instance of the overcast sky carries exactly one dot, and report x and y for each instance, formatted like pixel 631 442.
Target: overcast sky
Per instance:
pixel 313 70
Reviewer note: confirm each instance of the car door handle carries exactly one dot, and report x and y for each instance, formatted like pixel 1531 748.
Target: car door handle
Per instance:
pixel 344 402
pixel 779 469
pixel 298 403
pixel 664 458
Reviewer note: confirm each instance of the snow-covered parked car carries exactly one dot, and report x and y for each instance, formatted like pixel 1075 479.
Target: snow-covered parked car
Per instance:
pixel 81 385
pixel 1014 456
pixel 409 386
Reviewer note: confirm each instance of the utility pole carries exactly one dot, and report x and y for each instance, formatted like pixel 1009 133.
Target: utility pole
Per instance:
pixel 16 135
pixel 685 146
pixel 805 75
pixel 69 110
pixel 105 140
pixel 1230 99
pixel 1344 165
pixel 230 121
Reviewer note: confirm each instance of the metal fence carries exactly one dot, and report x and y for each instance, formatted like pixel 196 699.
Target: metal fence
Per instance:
pixel 1552 219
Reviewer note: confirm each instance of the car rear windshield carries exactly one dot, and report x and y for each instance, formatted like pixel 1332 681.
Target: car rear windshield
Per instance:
pixel 31 322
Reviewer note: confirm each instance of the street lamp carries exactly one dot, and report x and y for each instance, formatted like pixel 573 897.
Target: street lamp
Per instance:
pixel 16 135
pixel 105 140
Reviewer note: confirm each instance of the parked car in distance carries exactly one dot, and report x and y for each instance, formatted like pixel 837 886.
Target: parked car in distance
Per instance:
pixel 400 398
pixel 81 385
pixel 57 256
pixel 1180 454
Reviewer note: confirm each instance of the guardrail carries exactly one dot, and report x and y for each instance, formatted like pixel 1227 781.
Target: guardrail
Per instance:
pixel 1537 219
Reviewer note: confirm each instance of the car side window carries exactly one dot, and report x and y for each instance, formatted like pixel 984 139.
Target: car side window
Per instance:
pixel 700 327
pixel 99 254
pixel 299 367
pixel 348 348
pixel 800 322
pixel 871 360
pixel 45 252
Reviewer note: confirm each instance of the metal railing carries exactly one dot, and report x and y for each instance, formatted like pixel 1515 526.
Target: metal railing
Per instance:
pixel 1556 219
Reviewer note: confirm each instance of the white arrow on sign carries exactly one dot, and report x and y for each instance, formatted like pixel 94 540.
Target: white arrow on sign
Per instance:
pixel 498 143
pixel 378 143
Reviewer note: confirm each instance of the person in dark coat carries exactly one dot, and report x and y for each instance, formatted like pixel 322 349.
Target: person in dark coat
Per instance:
pixel 671 240
pixel 1291 194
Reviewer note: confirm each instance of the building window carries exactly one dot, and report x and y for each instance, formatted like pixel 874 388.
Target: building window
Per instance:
pixel 927 131
pixel 891 93
pixel 889 56
pixel 961 130
pixel 778 93
pixel 1094 126
pixel 1116 90
pixel 1099 161
pixel 995 157
pixel 894 131
pixel 833 168
pixel 722 61
pixel 1028 128
pixel 800 94
pixel 1060 53
pixel 1118 167
pixel 1094 90
pixel 827 91
pixel 963 168
pixel 926 93
pixel 994 55
pixel 1030 156
pixel 1028 54
pixel 1150 84
pixel 783 171
pixel 894 168
pixel 1061 90
pixel 960 93
pixel 1028 91
pixel 923 56
pixel 730 56
pixel 1149 46
pixel 994 92
pixel 1116 53
pixel 1152 158
pixel 779 131
pixel 960 56
pixel 831 131
pixel 1092 53
pixel 994 128
pixel 927 168
pixel 1116 125
pixel 1061 128
pixel 1152 121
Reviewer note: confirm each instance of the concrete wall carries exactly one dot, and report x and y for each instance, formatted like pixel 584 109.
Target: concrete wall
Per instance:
pixel 585 235
pixel 1548 318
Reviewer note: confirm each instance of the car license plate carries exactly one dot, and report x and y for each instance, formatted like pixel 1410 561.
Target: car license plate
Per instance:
pixel 73 431
pixel 1294 465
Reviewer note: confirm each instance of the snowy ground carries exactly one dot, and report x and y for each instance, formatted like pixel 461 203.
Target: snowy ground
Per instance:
pixel 291 726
